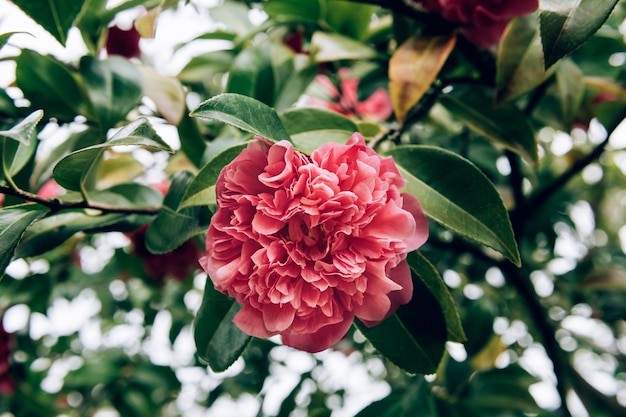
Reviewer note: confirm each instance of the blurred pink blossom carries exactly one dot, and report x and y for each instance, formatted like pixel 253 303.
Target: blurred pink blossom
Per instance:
pixel 482 21
pixel 306 244
pixel 377 107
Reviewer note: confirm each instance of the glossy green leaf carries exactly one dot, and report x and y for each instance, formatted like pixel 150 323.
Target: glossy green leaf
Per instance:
pixel 130 195
pixel 13 222
pixel 431 278
pixel 350 18
pixel 18 145
pixel 251 74
pixel 570 89
pixel 200 191
pixel 22 132
pixel 173 226
pixel 56 16
pixel 329 47
pixel 72 171
pixel 567 24
pixel 307 11
pixel 16 156
pixel 456 194
pixel 52 231
pixel 218 341
pixel 50 85
pixel 244 113
pixel 114 86
pixel 520 59
pixel 294 86
pixel 414 337
pixel 504 125
pixel 311 127
pixel 4 38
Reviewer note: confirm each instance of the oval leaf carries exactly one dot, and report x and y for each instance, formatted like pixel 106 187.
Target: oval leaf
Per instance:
pixel 173 226
pixel 520 59
pixel 328 47
pixel 49 85
pixel 413 68
pixel 218 341
pixel 52 231
pixel 567 24
pixel 200 191
pixel 13 222
pixel 505 125
pixel 23 131
pixel 56 16
pixel 244 113
pixel 456 194
pixel 431 278
pixel 72 171
pixel 414 337
pixel 312 127
pixel 114 86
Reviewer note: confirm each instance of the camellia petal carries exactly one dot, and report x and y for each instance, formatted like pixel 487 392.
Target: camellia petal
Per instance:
pixel 306 243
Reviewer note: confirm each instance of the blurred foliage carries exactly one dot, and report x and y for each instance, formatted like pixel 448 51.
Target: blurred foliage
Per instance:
pixel 516 153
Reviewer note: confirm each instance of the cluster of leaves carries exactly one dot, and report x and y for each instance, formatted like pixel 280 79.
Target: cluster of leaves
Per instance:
pixel 460 115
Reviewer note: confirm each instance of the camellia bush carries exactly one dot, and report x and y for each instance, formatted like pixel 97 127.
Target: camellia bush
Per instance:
pixel 330 208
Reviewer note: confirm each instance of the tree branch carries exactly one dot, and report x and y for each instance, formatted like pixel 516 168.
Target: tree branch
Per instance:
pixel 539 198
pixel 55 204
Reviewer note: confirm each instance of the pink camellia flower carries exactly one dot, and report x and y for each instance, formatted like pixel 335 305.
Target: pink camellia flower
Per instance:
pixel 377 107
pixel 482 21
pixel 306 244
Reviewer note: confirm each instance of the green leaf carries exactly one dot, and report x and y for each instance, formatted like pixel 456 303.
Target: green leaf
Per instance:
pixel 114 86
pixel 431 278
pixel 414 337
pixel 52 231
pixel 19 145
pixel 218 341
pixel 173 226
pixel 329 47
pixel 130 195
pixel 567 24
pixel 350 18
pixel 519 66
pixel 4 38
pixel 294 86
pixel 56 16
pixel 13 222
pixel 201 191
pixel 456 194
pixel 505 125
pixel 251 74
pixel 310 127
pixel 570 89
pixel 72 171
pixel 307 11
pixel 16 156
pixel 22 132
pixel 244 113
pixel 49 85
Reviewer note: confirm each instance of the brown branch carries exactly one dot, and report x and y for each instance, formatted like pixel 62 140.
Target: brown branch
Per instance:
pixel 55 204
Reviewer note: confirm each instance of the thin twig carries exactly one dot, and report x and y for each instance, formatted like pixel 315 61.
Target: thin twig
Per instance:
pixel 56 204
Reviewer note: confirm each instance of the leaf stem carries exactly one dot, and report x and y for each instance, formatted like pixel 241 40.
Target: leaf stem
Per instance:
pixel 55 204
